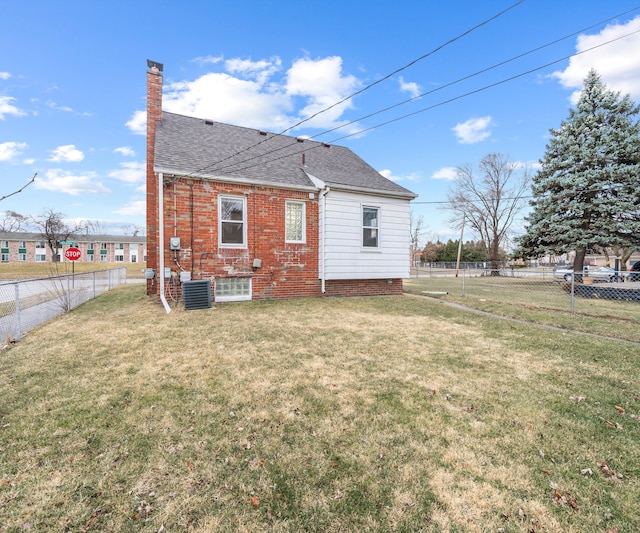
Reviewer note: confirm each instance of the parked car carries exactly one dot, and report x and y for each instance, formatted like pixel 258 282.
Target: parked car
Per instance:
pixel 634 271
pixel 602 273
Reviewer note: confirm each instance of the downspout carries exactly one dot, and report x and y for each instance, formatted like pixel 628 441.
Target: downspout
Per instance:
pixel 323 197
pixel 163 298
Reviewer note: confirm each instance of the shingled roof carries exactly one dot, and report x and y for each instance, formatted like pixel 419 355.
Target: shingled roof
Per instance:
pixel 187 146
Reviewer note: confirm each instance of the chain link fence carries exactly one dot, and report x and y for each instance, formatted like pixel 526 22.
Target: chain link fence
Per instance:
pixel 606 301
pixel 25 304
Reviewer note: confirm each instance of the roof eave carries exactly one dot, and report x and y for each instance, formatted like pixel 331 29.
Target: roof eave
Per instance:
pixel 235 180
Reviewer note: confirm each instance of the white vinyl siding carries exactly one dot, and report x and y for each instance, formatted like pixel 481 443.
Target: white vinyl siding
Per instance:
pixel 342 254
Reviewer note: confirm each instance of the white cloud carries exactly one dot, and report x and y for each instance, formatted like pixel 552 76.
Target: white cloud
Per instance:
pixel 7 108
pixel 134 208
pixel 391 176
pixel 410 87
pixel 618 63
pixel 248 94
pixel 131 172
pixel 261 71
pixel 126 151
pixel 5 75
pixel 445 173
pixel 74 184
pixel 203 60
pixel 322 83
pixel 138 122
pixel 221 97
pixel 54 105
pixel 11 150
pixel 473 130
pixel 68 153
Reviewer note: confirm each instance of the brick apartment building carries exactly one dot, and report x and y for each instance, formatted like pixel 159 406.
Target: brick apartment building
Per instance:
pixel 24 247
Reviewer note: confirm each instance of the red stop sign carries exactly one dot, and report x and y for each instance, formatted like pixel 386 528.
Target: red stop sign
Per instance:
pixel 73 253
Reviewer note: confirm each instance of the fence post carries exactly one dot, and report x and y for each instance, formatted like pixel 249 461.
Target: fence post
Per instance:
pixel 573 292
pixel 17 313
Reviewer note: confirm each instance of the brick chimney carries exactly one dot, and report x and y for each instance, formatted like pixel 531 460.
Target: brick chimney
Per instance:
pixel 154 116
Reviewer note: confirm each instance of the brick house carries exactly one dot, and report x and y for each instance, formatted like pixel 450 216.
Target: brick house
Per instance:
pixel 266 216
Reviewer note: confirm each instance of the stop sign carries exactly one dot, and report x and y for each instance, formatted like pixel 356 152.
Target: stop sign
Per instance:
pixel 72 253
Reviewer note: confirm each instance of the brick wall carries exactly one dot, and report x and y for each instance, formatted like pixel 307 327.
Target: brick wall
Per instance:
pixel 363 287
pixel 154 115
pixel 288 270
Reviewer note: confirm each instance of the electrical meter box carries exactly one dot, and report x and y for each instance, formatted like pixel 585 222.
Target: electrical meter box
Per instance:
pixel 174 243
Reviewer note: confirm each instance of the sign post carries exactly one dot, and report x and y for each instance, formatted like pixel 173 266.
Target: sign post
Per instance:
pixel 73 254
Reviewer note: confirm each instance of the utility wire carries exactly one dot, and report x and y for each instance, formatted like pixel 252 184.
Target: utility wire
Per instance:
pixel 380 80
pixel 477 73
pixel 444 102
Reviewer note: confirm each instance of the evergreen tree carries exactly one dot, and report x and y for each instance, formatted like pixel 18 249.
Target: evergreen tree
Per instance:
pixel 587 193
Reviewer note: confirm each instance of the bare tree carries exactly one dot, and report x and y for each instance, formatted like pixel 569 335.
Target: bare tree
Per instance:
pixel 92 227
pixel 12 221
pixel 53 229
pixel 490 201
pixel 416 228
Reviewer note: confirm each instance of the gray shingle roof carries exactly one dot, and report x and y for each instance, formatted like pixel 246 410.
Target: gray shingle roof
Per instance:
pixel 207 149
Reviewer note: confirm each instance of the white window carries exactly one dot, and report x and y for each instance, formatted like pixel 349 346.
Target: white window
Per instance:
pixel 233 289
pixel 22 258
pixel 370 227
pixel 5 244
pixel 119 252
pixel 5 258
pixel 41 252
pixel 232 231
pixel 294 221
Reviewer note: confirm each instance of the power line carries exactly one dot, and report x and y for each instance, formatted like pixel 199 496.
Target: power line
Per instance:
pixel 439 104
pixel 380 80
pixel 477 73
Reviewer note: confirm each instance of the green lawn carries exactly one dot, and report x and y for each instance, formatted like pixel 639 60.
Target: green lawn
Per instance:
pixel 353 414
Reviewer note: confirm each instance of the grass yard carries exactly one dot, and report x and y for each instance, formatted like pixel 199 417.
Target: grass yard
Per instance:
pixel 321 415
pixel 536 299
pixel 11 271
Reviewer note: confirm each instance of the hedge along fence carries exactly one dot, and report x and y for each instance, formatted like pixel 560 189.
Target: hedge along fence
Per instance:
pixel 25 304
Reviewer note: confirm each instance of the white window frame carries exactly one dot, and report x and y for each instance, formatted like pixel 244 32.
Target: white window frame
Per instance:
pixel 303 222
pixel 375 228
pixel 221 221
pixel 230 289
pixel 42 256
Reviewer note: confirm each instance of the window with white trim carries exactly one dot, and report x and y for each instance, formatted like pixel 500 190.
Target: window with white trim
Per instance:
pixel 370 227
pixel 232 230
pixel 41 252
pixel 294 221
pixel 232 289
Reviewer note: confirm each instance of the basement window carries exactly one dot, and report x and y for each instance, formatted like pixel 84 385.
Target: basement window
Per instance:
pixel 233 289
pixel 232 221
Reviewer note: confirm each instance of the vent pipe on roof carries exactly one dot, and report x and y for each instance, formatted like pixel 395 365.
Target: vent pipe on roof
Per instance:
pixel 303 162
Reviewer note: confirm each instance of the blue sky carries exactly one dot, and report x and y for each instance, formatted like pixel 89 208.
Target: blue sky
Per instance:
pixel 72 86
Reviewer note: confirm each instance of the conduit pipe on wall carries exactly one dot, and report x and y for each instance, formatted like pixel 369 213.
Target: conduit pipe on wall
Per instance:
pixel 163 298
pixel 323 197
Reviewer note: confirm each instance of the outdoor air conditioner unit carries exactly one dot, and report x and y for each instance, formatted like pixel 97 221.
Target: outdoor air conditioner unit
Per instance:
pixel 196 294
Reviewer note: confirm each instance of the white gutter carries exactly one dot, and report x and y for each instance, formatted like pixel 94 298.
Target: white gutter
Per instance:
pixel 323 197
pixel 160 273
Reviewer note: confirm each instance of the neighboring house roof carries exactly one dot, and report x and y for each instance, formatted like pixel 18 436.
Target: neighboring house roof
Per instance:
pixel 32 236
pixel 207 149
